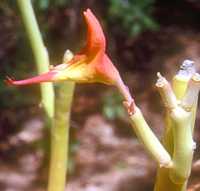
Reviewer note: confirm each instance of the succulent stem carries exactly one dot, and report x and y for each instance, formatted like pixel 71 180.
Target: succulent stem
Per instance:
pixel 149 140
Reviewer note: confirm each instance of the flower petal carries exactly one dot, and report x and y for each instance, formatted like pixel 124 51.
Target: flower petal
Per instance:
pixel 106 72
pixel 95 37
pixel 46 77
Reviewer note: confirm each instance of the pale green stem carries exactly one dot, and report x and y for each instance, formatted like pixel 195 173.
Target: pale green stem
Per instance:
pixel 40 53
pixel 163 180
pixel 149 140
pixel 181 79
pixel 60 128
pixel 180 86
pixel 60 137
pixel 183 146
pixel 190 100
pixel 183 118
pixel 166 92
pixel 142 130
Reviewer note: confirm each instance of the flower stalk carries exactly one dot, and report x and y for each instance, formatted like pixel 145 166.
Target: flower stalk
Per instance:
pixel 60 137
pixel 149 140
pixel 40 53
pixel 58 114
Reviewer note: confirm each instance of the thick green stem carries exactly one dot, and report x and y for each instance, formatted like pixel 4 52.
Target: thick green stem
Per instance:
pixel 175 178
pixel 164 181
pixel 60 137
pixel 183 146
pixel 40 53
pixel 150 141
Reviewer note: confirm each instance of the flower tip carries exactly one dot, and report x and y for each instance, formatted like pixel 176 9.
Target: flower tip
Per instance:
pixel 9 81
pixel 87 11
pixel 89 15
pixel 95 35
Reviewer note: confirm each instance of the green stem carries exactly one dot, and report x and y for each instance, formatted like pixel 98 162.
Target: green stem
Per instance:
pixel 142 130
pixel 60 124
pixel 150 141
pixel 163 180
pixel 40 53
pixel 190 100
pixel 183 146
pixel 180 86
pixel 60 137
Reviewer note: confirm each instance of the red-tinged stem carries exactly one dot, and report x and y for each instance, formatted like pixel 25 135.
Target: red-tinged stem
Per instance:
pixel 129 102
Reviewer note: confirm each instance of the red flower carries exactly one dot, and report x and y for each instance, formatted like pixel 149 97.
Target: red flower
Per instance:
pixel 91 64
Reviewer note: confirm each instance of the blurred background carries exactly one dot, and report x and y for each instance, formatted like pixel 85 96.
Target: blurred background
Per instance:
pixel 143 37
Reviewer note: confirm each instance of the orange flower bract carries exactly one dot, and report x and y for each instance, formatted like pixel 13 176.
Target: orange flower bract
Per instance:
pixel 90 65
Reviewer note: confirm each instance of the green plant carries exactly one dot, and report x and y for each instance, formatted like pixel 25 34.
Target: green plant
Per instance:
pixel 174 155
pixel 180 119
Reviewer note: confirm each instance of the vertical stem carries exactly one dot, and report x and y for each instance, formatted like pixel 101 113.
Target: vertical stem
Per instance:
pixel 59 122
pixel 40 53
pixel 190 100
pixel 183 150
pixel 163 180
pixel 60 137
pixel 175 179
